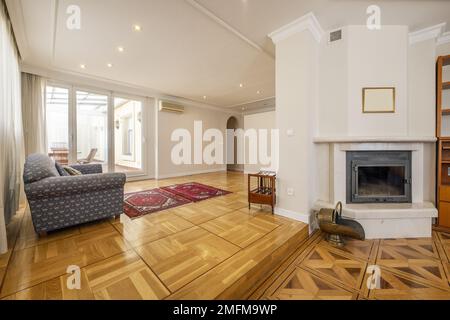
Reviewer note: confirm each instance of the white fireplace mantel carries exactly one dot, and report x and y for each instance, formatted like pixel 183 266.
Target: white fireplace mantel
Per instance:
pixel 382 220
pixel 359 139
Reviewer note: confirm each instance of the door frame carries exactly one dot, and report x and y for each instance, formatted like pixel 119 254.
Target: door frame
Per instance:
pixel 72 123
pixel 106 93
pixel 144 130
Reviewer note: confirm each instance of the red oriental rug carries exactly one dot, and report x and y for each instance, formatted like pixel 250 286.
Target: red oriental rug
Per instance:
pixel 195 191
pixel 144 202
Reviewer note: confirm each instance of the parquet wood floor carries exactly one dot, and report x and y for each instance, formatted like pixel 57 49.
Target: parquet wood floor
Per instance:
pixel 213 248
pixel 410 269
pixel 333 265
pixel 216 249
pixel 303 285
pixel 182 257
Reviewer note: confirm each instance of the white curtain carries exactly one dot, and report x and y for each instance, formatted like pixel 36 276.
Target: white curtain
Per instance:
pixel 11 133
pixel 33 111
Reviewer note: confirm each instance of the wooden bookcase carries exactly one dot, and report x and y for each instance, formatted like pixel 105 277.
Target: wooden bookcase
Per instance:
pixel 443 143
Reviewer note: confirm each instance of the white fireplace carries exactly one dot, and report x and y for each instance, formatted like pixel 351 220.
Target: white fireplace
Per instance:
pixel 382 220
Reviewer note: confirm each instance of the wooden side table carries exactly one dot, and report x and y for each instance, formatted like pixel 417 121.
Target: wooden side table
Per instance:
pixel 265 190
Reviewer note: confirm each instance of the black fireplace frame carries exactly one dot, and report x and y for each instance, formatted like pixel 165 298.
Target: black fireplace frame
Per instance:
pixel 356 159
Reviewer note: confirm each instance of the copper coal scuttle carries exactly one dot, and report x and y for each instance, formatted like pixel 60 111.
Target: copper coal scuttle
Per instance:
pixel 336 228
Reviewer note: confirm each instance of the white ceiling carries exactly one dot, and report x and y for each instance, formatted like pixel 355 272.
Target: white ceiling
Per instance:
pixel 188 48
pixel 257 18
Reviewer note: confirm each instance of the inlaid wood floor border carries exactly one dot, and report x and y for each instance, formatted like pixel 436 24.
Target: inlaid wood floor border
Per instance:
pixel 395 284
pixel 286 267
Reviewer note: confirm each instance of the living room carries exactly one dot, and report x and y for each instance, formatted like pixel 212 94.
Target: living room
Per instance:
pixel 210 150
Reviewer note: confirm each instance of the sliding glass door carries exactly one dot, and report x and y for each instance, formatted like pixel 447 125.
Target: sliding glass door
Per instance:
pixel 84 126
pixel 57 117
pixel 128 137
pixel 92 128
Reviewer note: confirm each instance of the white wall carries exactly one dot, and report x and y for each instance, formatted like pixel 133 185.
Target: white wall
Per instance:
pixel 365 58
pixel 267 121
pixel 377 59
pixel 422 88
pixel 296 85
pixel 168 122
pixel 333 86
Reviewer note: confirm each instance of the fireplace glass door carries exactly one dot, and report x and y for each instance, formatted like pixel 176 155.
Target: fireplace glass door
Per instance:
pixel 379 177
pixel 381 181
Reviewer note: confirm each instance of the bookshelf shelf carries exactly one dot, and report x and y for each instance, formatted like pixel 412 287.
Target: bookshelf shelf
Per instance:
pixel 443 147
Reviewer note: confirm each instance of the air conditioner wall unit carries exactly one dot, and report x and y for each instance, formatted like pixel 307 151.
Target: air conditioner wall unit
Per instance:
pixel 170 107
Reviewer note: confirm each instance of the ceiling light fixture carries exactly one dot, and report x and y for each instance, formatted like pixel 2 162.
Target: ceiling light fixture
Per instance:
pixel 258 92
pixel 82 66
pixel 120 49
pixel 241 85
pixel 137 27
pixel 204 97
pixel 110 65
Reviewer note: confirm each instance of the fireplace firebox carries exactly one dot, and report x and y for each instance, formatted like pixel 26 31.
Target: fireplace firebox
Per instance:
pixel 379 176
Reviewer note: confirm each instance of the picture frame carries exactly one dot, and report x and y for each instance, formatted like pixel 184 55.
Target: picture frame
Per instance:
pixel 378 100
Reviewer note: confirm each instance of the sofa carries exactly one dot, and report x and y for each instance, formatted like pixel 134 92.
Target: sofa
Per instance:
pixel 58 200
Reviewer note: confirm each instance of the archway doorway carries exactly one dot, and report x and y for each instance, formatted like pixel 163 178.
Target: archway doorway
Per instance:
pixel 232 124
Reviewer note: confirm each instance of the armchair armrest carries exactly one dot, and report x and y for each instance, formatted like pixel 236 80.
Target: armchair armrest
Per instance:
pixel 65 186
pixel 88 168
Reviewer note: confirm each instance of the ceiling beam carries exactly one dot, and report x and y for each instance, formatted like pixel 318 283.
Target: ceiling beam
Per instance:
pixel 228 27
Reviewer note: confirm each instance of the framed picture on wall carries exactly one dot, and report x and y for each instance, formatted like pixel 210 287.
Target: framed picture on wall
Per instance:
pixel 378 100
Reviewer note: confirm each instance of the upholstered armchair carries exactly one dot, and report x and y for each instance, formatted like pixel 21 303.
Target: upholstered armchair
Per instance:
pixel 58 201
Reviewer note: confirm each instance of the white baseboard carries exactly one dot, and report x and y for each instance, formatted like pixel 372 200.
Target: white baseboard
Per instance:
pixel 303 217
pixel 189 173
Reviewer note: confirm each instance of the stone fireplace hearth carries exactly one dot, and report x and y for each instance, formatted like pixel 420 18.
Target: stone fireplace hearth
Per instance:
pixel 394 201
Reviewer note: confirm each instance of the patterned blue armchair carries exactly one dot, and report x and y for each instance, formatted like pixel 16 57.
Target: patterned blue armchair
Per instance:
pixel 58 201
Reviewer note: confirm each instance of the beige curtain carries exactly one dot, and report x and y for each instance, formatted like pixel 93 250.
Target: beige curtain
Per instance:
pixel 11 133
pixel 33 111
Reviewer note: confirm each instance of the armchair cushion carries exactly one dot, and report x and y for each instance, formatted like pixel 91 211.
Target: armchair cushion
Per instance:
pixel 61 171
pixel 38 167
pixel 65 186
pixel 72 172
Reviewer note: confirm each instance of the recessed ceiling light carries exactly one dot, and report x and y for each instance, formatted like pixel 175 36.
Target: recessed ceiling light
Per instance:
pixel 82 66
pixel 241 85
pixel 110 65
pixel 204 97
pixel 258 92
pixel 120 49
pixel 137 27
